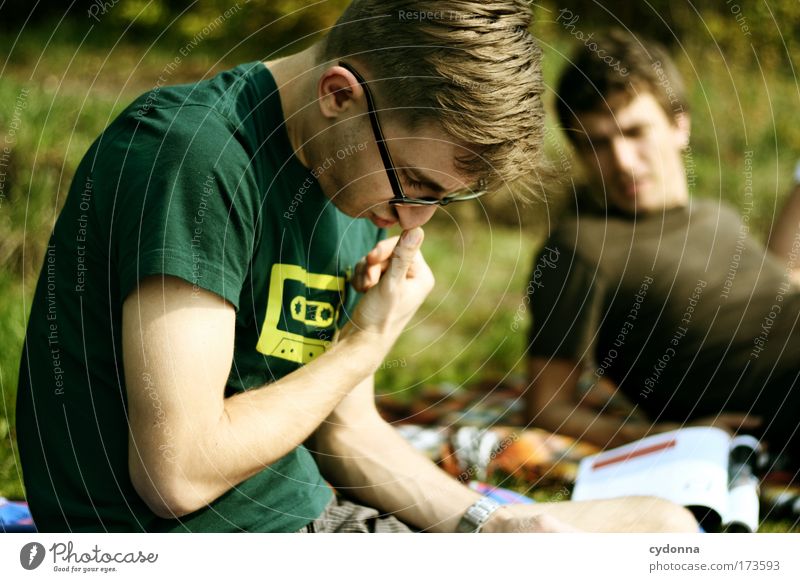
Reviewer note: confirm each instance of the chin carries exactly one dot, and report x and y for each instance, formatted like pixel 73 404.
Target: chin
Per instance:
pixel 626 206
pixel 639 205
pixel 339 202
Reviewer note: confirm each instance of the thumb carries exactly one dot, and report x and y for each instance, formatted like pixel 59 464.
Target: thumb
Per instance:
pixel 404 253
pixel 745 420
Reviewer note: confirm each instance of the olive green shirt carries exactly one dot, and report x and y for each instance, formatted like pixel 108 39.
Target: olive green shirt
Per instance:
pixel 683 309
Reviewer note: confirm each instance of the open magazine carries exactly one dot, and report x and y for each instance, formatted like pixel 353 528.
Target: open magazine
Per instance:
pixel 701 468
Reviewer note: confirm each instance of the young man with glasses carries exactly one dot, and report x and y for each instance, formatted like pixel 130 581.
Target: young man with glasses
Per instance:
pixel 216 367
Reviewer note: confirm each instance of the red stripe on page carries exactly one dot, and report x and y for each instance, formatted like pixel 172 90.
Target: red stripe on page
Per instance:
pixel 633 454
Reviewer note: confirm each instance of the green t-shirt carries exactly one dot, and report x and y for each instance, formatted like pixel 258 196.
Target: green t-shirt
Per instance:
pixel 684 310
pixel 200 182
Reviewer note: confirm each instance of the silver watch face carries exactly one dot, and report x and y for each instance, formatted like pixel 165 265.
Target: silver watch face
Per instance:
pixel 477 514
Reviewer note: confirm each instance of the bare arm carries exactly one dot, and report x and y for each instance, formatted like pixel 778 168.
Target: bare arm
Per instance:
pixel 784 238
pixel 553 404
pixel 366 458
pixel 188 444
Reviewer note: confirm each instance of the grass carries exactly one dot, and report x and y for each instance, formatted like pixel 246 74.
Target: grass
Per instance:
pixel 57 99
pixel 463 332
pixel 481 256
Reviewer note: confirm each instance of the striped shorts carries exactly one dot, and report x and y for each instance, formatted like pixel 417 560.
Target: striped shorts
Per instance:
pixel 342 516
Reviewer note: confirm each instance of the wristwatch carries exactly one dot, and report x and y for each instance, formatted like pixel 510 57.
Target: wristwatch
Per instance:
pixel 478 513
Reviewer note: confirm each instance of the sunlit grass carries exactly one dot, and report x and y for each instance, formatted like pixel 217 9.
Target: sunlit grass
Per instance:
pixel 465 331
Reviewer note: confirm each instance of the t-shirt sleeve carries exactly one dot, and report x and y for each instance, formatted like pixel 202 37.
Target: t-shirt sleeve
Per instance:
pixel 566 298
pixel 186 203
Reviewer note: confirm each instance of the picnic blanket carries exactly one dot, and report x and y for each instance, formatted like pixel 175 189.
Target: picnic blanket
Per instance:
pixel 15 517
pixel 480 433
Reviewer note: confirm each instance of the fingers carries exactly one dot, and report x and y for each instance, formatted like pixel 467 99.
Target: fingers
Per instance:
pixel 369 269
pixel 378 261
pixel 549 524
pixel 398 255
pixel 419 269
pixel 544 523
pixel 359 276
pixel 367 275
pixel 732 422
pixel 382 251
pixel 404 255
pixel 737 420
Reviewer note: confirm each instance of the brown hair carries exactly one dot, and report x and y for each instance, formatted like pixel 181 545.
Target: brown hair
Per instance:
pixel 471 67
pixel 617 63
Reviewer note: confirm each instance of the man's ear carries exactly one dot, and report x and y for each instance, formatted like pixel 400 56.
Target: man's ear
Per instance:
pixel 683 130
pixel 338 90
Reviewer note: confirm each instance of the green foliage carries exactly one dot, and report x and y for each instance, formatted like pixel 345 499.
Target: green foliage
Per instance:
pixel 46 129
pixel 12 330
pixel 276 27
pixel 736 27
pixel 742 89
pixel 54 129
pixel 464 332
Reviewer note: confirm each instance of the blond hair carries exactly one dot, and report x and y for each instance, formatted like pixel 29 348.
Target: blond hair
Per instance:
pixel 472 67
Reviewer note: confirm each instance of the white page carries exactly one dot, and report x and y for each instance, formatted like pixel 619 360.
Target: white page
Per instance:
pixel 688 466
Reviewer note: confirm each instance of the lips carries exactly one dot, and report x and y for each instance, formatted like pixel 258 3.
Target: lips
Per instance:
pixel 381 222
pixel 633 187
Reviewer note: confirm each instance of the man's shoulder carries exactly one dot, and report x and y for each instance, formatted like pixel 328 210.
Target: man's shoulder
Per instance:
pixel 585 231
pixel 218 92
pixel 206 113
pixel 195 125
pixel 714 207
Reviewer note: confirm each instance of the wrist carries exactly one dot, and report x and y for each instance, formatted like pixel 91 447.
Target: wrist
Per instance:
pixel 366 347
pixel 633 430
pixel 499 521
pixel 477 515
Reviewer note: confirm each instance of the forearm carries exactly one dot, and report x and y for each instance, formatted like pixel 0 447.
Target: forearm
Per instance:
pixel 553 404
pixel 178 352
pixel 589 425
pixel 380 469
pixel 623 514
pixel 783 238
pixel 258 427
pixel 373 463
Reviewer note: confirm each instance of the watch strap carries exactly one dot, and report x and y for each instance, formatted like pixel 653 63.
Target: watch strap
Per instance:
pixel 476 515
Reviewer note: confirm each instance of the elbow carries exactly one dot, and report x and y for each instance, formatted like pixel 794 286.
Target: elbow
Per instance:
pixel 549 418
pixel 559 417
pixel 167 493
pixel 543 412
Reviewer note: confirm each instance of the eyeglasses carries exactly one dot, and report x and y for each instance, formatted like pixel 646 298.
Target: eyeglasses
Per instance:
pixel 400 199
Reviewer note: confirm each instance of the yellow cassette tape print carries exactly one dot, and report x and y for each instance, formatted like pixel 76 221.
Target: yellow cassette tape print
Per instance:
pixel 302 310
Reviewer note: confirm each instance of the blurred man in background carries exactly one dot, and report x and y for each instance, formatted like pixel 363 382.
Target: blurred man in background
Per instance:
pixel 666 298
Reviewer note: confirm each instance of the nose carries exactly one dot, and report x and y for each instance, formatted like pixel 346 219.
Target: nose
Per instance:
pixel 414 216
pixel 623 153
